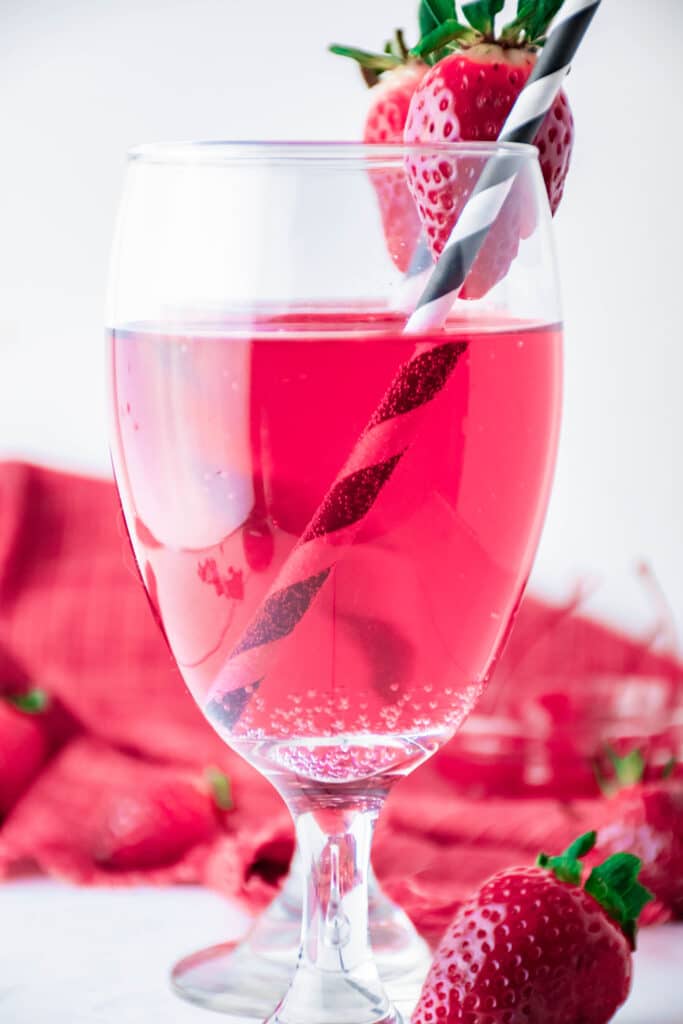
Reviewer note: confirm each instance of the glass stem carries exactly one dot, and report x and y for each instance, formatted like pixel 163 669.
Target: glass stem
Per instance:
pixel 336 980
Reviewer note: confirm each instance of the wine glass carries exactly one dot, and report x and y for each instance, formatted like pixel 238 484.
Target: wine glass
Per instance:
pixel 334 520
pixel 244 981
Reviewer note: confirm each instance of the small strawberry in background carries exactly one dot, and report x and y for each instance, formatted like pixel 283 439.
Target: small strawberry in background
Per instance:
pixel 24 745
pixel 458 83
pixel 155 824
pixel 535 945
pixel 646 818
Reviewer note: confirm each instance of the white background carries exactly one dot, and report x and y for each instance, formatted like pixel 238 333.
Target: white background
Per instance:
pixel 63 962
pixel 82 80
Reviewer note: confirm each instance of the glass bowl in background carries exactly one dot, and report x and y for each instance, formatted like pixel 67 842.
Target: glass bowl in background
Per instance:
pixel 600 670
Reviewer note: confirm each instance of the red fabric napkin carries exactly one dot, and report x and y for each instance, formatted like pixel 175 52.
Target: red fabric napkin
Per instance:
pixel 75 621
pixel 123 738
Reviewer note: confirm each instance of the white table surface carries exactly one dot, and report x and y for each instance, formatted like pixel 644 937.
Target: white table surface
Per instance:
pixel 101 956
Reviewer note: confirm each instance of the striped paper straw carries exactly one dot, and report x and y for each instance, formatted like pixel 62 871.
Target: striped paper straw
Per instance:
pixel 396 421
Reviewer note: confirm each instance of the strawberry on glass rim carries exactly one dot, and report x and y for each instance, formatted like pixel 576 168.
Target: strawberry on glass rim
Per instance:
pixel 459 83
pixel 477 74
pixel 392 77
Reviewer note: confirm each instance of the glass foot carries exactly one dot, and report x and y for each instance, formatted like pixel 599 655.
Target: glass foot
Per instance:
pixel 246 980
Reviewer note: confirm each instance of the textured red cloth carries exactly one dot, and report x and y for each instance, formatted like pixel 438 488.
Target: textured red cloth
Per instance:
pixel 75 621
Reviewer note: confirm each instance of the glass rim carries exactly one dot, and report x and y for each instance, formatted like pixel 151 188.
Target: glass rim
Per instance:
pixel 230 152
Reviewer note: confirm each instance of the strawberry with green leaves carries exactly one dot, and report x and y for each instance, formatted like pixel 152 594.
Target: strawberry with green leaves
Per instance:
pixel 476 74
pixel 24 745
pixel 534 945
pixel 392 77
pixel 154 824
pixel 463 76
pixel 646 818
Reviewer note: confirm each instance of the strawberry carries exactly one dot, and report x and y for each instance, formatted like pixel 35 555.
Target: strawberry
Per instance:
pixel 23 745
pixel 156 825
pixel 476 78
pixel 467 94
pixel 389 102
pixel 459 83
pixel 534 946
pixel 646 818
pixel 392 77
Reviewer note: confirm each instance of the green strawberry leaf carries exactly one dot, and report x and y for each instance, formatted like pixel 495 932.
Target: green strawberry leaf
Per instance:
pixel 581 846
pixel 482 14
pixel 531 21
pixel 628 769
pixel 221 789
pixel 439 37
pixel 433 13
pixel 32 702
pixel 567 867
pixel 527 11
pixel 669 768
pixel 615 886
pixel 478 16
pixel 367 59
pixel 549 9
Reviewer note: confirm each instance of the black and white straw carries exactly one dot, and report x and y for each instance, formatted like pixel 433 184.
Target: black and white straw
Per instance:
pixel 493 187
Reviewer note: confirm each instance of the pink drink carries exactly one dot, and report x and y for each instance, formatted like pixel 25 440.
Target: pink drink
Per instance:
pixel 228 437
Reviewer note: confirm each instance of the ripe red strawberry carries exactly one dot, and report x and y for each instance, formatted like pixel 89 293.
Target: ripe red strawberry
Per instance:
pixel 393 77
pixel 533 946
pixel 389 103
pixel 385 120
pixel 23 750
pixel 153 826
pixel 647 820
pixel 467 95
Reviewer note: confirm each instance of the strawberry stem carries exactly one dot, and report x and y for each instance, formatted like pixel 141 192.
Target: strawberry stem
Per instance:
pixel 628 770
pixel 367 59
pixel 31 702
pixel 401 44
pixel 567 867
pixel 221 788
pixel 615 886
pixel 373 64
